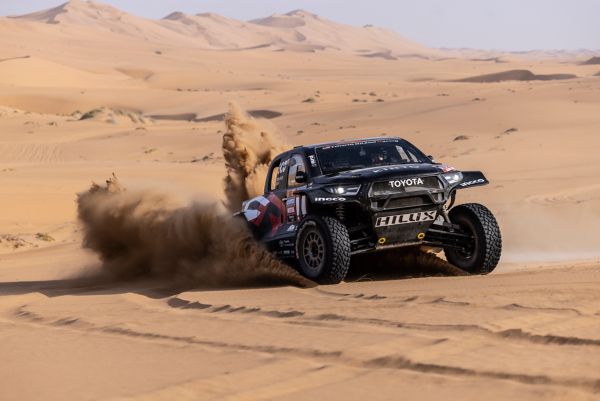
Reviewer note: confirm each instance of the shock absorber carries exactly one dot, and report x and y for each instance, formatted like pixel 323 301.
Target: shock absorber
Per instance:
pixel 340 212
pixel 446 208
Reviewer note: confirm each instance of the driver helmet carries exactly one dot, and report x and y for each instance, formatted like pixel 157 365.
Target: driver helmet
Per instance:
pixel 381 156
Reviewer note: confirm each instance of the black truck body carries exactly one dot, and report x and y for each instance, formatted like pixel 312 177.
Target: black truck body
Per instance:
pixel 372 195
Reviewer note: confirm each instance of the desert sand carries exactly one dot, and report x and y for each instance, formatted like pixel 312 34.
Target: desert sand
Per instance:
pixel 87 91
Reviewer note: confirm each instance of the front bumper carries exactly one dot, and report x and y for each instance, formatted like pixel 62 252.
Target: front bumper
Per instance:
pixel 402 216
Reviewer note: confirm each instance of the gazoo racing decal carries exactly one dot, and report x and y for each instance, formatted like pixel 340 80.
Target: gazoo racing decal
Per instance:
pixel 405 218
pixel 407 182
pixel 474 182
pixel 266 213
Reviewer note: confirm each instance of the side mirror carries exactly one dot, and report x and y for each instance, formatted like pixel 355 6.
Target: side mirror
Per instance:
pixel 301 177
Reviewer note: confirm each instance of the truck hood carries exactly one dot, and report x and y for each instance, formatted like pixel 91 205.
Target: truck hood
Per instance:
pixel 381 172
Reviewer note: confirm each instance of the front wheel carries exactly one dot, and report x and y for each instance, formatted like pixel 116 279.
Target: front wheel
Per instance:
pixel 323 249
pixel 482 254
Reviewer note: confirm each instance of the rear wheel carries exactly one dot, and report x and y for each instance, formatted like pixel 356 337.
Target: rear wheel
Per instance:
pixel 323 249
pixel 482 254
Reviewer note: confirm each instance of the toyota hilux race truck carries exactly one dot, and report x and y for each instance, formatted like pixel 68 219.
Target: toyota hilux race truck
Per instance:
pixel 324 203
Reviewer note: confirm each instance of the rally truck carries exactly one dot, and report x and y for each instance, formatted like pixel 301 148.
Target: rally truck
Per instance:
pixel 324 203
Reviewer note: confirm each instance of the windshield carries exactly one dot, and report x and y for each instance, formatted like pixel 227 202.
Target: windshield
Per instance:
pixel 357 155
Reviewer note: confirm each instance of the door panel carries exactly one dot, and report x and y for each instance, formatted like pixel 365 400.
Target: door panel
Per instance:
pixel 275 216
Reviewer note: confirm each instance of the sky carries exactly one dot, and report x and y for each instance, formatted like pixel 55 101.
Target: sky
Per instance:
pixel 481 24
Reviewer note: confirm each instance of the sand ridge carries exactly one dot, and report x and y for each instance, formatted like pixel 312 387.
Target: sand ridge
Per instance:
pixel 157 95
pixel 516 75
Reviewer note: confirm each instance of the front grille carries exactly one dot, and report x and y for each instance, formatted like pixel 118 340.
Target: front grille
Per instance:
pixel 413 201
pixel 406 193
pixel 421 201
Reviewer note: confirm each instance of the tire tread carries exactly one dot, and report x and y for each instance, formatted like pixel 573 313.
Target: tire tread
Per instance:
pixel 492 236
pixel 340 261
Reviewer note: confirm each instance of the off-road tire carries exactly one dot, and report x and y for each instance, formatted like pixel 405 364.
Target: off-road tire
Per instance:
pixel 333 264
pixel 478 221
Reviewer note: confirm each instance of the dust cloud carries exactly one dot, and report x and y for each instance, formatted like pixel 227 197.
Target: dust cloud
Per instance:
pixel 249 145
pixel 146 234
pixel 143 234
pixel 546 233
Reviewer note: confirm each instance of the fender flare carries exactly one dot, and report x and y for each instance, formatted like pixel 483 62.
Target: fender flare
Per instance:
pixel 472 179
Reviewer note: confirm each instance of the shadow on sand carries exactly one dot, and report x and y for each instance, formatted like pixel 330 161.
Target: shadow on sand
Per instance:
pixel 367 267
pixel 400 264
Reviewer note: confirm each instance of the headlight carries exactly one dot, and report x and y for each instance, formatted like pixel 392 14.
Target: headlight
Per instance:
pixel 343 189
pixel 453 178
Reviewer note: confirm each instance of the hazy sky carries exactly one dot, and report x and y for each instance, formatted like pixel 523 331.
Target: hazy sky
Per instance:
pixel 489 24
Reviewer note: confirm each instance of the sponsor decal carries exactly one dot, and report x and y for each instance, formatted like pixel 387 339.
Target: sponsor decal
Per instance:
pixel 405 219
pixel 284 243
pixel 446 168
pixel 295 206
pixel 330 199
pixel 313 160
pixel 354 143
pixel 301 206
pixel 407 182
pixel 474 182
pixel 283 166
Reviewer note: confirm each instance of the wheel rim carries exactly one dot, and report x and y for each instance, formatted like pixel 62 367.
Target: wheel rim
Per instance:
pixel 468 254
pixel 466 257
pixel 313 251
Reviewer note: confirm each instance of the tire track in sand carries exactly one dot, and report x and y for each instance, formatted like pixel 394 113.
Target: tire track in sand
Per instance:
pixel 338 356
pixel 508 334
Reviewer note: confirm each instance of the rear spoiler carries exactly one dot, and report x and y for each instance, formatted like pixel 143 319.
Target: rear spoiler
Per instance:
pixel 472 179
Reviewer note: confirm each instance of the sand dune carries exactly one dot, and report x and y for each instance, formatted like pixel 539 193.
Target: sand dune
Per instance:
pixel 114 116
pixel 386 55
pixel 77 11
pixel 87 90
pixel 102 17
pixel 35 72
pixel 219 32
pixel 309 28
pixel 592 61
pixel 268 114
pixel 516 75
pixel 295 31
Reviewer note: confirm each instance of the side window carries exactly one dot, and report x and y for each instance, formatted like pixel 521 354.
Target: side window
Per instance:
pixel 274 175
pixel 407 156
pixel 279 175
pixel 296 165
